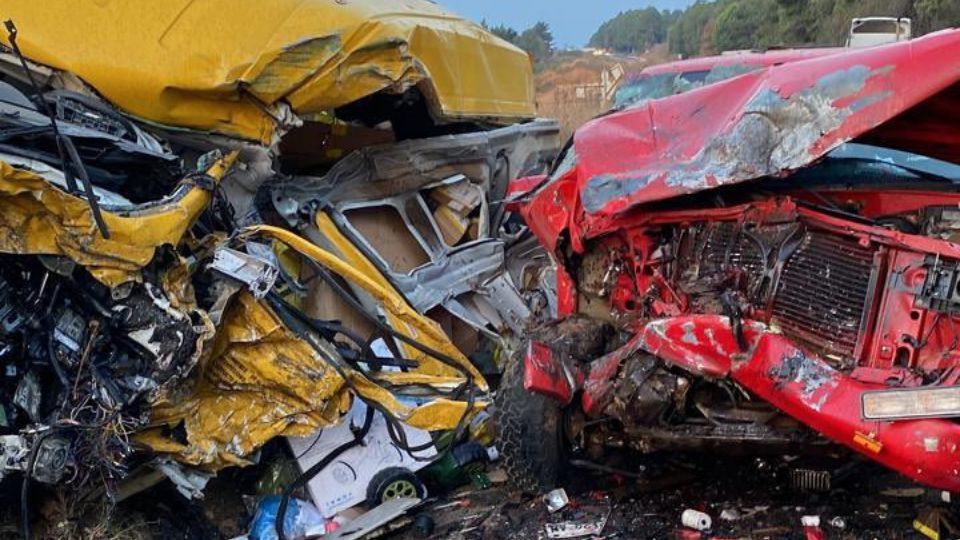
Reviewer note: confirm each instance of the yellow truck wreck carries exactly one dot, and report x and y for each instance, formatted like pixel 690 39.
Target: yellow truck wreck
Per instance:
pixel 178 283
pixel 240 69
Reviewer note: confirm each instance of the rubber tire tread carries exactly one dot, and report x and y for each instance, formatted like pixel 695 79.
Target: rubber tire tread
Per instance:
pixel 528 426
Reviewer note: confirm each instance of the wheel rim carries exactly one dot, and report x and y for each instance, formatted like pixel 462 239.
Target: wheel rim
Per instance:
pixel 399 489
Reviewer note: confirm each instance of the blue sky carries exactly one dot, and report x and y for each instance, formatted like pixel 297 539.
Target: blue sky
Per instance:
pixel 572 21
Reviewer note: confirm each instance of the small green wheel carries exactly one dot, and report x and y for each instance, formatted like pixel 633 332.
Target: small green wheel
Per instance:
pixel 394 483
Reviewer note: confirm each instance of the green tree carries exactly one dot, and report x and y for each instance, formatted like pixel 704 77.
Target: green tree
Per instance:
pixel 712 26
pixel 631 31
pixel 935 15
pixel 685 37
pixel 504 32
pixel 537 41
pixel 746 24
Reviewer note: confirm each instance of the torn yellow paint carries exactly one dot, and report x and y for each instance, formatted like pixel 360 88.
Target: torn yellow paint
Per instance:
pixel 261 381
pixel 38 218
pixel 356 268
pixel 230 66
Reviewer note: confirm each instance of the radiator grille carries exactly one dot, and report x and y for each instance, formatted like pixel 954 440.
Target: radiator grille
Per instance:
pixel 726 248
pixel 823 291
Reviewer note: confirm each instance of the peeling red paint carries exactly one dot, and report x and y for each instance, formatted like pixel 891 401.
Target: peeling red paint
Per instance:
pixel 800 297
pixel 639 152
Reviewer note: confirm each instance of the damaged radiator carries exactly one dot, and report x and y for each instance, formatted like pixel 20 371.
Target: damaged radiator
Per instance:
pixel 824 289
pixel 824 292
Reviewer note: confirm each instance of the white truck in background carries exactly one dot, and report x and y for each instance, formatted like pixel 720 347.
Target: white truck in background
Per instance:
pixel 870 31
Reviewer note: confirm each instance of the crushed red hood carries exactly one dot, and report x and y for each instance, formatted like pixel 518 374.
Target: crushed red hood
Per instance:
pixel 764 123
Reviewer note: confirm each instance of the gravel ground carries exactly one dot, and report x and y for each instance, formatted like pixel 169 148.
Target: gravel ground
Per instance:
pixel 754 494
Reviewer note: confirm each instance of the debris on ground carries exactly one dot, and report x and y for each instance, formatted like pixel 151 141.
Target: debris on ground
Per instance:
pixel 556 500
pixel 695 519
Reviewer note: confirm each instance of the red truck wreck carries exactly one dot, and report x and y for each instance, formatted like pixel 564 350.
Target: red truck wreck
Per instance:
pixel 766 262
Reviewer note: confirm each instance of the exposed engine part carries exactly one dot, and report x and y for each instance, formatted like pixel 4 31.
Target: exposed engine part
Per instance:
pixel 78 369
pixel 48 456
pixel 941 288
pixel 256 273
pixel 813 480
pixel 53 455
pixel 941 222
pixel 648 392
pixel 814 285
pixel 14 451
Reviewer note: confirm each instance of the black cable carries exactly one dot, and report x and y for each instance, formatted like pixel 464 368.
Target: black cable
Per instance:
pixel 394 429
pixel 65 146
pixel 397 434
pixel 309 448
pixel 87 186
pixel 24 511
pixel 12 38
pixel 25 486
pixel 317 467
pixel 295 320
pixel 55 364
pixel 355 304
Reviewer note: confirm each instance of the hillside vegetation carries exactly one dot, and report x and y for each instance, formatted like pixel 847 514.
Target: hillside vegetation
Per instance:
pixel 709 27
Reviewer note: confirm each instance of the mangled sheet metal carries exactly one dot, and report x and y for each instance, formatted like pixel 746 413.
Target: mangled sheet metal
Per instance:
pixel 766 122
pixel 171 331
pixel 41 219
pixel 137 316
pixel 262 380
pixel 93 330
pixel 430 215
pixel 247 70
pixel 807 308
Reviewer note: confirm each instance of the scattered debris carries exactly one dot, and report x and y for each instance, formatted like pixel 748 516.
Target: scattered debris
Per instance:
pixel 729 514
pixel 811 527
pixel 570 529
pixel 382 517
pixel 300 519
pixel 838 523
pixel 556 500
pixel 424 525
pixel 696 520
pixel 935 523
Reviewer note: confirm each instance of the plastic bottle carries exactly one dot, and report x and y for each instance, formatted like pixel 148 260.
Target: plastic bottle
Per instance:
pixel 464 463
pixel 301 516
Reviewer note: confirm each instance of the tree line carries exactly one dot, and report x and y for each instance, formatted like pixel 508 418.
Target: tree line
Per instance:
pixel 710 27
pixel 536 40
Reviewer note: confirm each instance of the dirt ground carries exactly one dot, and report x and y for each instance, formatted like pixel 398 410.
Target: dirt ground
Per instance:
pixel 747 498
pixel 754 493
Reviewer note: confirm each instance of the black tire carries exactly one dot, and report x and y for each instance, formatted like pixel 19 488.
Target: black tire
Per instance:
pixel 529 427
pixel 392 483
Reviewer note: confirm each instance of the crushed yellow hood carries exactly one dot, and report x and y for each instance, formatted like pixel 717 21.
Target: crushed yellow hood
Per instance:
pixel 228 66
pixel 37 218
